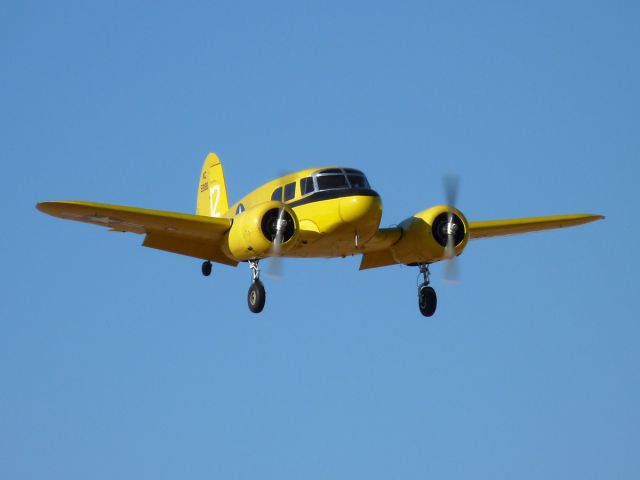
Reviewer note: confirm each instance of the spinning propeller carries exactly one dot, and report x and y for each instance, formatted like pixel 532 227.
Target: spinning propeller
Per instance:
pixel 450 228
pixel 274 267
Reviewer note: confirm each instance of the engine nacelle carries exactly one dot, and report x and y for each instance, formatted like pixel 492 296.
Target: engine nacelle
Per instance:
pixel 424 236
pixel 253 231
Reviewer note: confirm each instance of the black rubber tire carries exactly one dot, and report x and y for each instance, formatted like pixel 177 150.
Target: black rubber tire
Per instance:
pixel 427 300
pixel 206 268
pixel 256 297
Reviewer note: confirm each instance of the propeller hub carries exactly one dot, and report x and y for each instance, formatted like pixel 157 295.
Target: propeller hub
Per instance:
pixel 446 225
pixel 450 228
pixel 278 224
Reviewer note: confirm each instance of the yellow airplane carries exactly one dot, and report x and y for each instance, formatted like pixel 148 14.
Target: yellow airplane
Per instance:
pixel 319 212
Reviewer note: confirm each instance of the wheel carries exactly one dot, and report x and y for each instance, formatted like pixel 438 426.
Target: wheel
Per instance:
pixel 256 297
pixel 206 268
pixel 427 300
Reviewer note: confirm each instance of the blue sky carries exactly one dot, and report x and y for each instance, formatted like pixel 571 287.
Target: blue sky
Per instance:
pixel 119 361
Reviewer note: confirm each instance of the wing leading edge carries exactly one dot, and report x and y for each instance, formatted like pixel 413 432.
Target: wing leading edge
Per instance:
pixel 193 235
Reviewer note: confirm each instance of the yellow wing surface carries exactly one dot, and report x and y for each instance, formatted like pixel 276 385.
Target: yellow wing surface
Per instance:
pixel 193 235
pixel 381 250
pixel 514 226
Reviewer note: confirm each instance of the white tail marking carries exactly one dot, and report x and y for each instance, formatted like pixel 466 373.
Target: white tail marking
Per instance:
pixel 214 205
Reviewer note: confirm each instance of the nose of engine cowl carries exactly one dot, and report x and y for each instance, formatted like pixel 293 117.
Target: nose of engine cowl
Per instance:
pixel 355 208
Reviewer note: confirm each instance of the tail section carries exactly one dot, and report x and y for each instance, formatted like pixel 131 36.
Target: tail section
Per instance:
pixel 212 190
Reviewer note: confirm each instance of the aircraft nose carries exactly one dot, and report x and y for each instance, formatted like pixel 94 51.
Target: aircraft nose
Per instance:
pixel 355 208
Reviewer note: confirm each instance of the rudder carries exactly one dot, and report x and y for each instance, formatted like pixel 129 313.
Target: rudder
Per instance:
pixel 212 189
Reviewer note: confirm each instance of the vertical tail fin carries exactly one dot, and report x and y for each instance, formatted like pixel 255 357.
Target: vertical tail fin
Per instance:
pixel 212 190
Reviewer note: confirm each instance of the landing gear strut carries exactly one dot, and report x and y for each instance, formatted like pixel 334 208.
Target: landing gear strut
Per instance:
pixel 427 299
pixel 257 295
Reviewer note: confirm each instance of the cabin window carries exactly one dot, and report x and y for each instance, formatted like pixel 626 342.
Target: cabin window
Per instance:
pixel 289 191
pixel 277 194
pixel 329 182
pixel 306 185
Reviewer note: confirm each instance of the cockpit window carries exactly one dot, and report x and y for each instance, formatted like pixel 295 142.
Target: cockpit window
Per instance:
pixel 277 194
pixel 328 182
pixel 358 181
pixel 335 178
pixel 306 185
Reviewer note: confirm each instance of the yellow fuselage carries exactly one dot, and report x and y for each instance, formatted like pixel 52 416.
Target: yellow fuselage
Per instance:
pixel 332 222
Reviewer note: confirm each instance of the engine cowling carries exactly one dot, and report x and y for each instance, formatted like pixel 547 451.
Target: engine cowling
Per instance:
pixel 424 236
pixel 253 231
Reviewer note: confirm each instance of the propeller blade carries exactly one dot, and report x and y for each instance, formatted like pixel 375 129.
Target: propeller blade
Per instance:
pixel 451 186
pixel 274 266
pixel 451 271
pixel 450 248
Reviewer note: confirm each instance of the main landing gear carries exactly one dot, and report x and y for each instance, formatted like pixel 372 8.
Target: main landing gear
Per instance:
pixel 427 299
pixel 257 295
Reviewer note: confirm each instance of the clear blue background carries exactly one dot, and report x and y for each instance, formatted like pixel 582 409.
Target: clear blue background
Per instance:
pixel 123 362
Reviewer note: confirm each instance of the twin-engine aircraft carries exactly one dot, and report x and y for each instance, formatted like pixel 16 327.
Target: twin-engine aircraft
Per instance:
pixel 319 212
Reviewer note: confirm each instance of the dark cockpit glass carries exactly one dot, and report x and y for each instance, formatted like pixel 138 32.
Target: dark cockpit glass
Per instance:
pixel 336 178
pixel 358 181
pixel 328 182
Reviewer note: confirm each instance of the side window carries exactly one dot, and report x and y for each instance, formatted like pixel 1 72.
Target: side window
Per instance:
pixel 289 191
pixel 277 194
pixel 306 185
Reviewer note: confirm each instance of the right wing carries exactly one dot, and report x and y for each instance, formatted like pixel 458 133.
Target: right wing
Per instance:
pixel 378 251
pixel 193 235
pixel 495 228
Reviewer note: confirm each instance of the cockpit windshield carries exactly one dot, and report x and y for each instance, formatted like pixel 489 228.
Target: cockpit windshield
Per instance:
pixel 340 178
pixel 329 182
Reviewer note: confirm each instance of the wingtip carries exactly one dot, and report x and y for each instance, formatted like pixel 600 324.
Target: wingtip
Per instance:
pixel 49 206
pixel 41 206
pixel 45 206
pixel 591 217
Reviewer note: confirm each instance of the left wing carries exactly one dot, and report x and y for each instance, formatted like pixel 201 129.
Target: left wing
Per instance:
pixel 193 235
